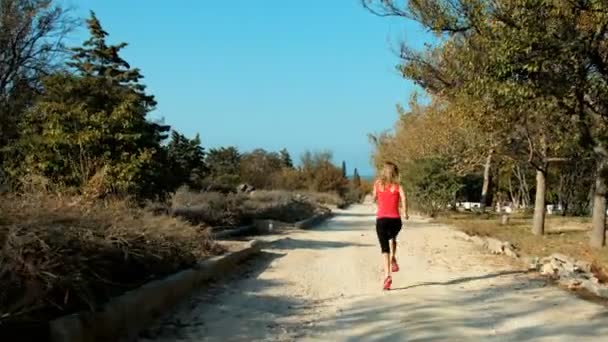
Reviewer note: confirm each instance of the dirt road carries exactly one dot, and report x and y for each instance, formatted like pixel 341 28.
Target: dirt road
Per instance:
pixel 325 285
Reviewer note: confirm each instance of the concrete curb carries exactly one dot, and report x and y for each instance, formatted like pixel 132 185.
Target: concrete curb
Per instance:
pixel 267 226
pixel 128 314
pixel 313 221
pixel 235 232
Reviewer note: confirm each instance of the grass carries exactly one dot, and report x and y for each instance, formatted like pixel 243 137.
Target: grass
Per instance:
pixel 565 235
pixel 61 255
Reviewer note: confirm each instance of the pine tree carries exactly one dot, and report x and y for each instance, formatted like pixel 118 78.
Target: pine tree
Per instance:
pixel 344 175
pixel 224 160
pixel 356 179
pixel 91 124
pixel 286 159
pixel 187 158
pixel 97 59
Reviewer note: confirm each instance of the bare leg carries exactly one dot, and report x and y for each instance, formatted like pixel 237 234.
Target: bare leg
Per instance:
pixel 393 245
pixel 387 264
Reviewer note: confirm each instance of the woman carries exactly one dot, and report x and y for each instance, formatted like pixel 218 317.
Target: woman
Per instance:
pixel 390 197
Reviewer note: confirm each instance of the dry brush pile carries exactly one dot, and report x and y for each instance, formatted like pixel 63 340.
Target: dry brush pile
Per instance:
pixel 60 255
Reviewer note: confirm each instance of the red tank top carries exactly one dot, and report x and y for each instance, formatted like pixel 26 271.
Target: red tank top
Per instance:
pixel 388 201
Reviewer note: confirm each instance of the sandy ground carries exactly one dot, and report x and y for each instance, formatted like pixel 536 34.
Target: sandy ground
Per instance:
pixel 325 285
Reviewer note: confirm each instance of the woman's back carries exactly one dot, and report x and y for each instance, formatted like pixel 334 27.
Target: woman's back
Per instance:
pixel 387 196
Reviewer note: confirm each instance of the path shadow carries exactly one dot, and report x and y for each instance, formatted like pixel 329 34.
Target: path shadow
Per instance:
pixel 354 214
pixel 291 243
pixel 490 313
pixel 462 280
pixel 189 315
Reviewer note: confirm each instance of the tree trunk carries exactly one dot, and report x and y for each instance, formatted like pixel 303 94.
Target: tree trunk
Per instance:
pixel 524 190
pixel 598 232
pixel 538 227
pixel 486 181
pixel 513 195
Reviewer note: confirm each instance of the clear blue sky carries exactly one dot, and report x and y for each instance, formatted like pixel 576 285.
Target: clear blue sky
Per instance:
pixel 305 75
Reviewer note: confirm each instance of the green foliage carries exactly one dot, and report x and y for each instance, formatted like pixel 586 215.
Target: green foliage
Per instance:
pixel 93 123
pixel 430 185
pixel 530 76
pixel 286 158
pixel 31 46
pixel 259 168
pixel 187 160
pixel 224 161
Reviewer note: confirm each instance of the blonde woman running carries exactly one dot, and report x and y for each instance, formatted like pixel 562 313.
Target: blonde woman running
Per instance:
pixel 392 204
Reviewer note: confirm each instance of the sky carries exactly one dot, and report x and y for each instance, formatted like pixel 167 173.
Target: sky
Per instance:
pixel 272 74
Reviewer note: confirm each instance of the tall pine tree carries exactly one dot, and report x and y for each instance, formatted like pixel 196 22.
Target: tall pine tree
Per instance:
pixel 187 158
pixel 89 128
pixel 356 179
pixel 286 159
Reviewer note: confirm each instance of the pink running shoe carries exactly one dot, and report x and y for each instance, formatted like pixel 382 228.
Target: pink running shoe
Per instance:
pixel 387 283
pixel 394 265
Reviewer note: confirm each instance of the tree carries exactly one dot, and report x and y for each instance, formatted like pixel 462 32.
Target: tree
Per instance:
pixel 31 47
pixel 187 160
pixel 486 57
pixel 356 179
pixel 344 172
pixel 89 128
pixel 260 168
pixel 286 158
pixel 320 174
pixel 224 160
pixel 430 184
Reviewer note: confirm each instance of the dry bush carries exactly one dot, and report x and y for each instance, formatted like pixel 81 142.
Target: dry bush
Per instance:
pixel 220 210
pixel 271 196
pixel 209 208
pixel 60 255
pixel 289 179
pixel 324 198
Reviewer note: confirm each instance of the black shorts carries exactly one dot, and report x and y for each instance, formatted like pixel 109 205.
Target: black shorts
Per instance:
pixel 387 229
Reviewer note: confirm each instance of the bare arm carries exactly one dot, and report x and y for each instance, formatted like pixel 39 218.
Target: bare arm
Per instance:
pixel 404 208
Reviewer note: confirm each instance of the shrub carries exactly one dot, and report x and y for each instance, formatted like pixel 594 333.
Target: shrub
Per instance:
pixel 430 185
pixel 289 179
pixel 60 254
pixel 209 208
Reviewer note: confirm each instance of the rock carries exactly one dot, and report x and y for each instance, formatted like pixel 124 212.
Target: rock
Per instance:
pixel 509 250
pixel 548 270
pixel 557 265
pixel 462 235
pixel 597 289
pixel 495 246
pixel 562 258
pixel 571 283
pixel 245 188
pixel 582 266
pixel 478 241
pixel 533 263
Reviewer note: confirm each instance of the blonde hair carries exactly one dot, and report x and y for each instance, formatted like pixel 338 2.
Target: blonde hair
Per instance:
pixel 389 175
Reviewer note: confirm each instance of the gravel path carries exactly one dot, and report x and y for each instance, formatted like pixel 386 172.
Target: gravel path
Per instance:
pixel 325 285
